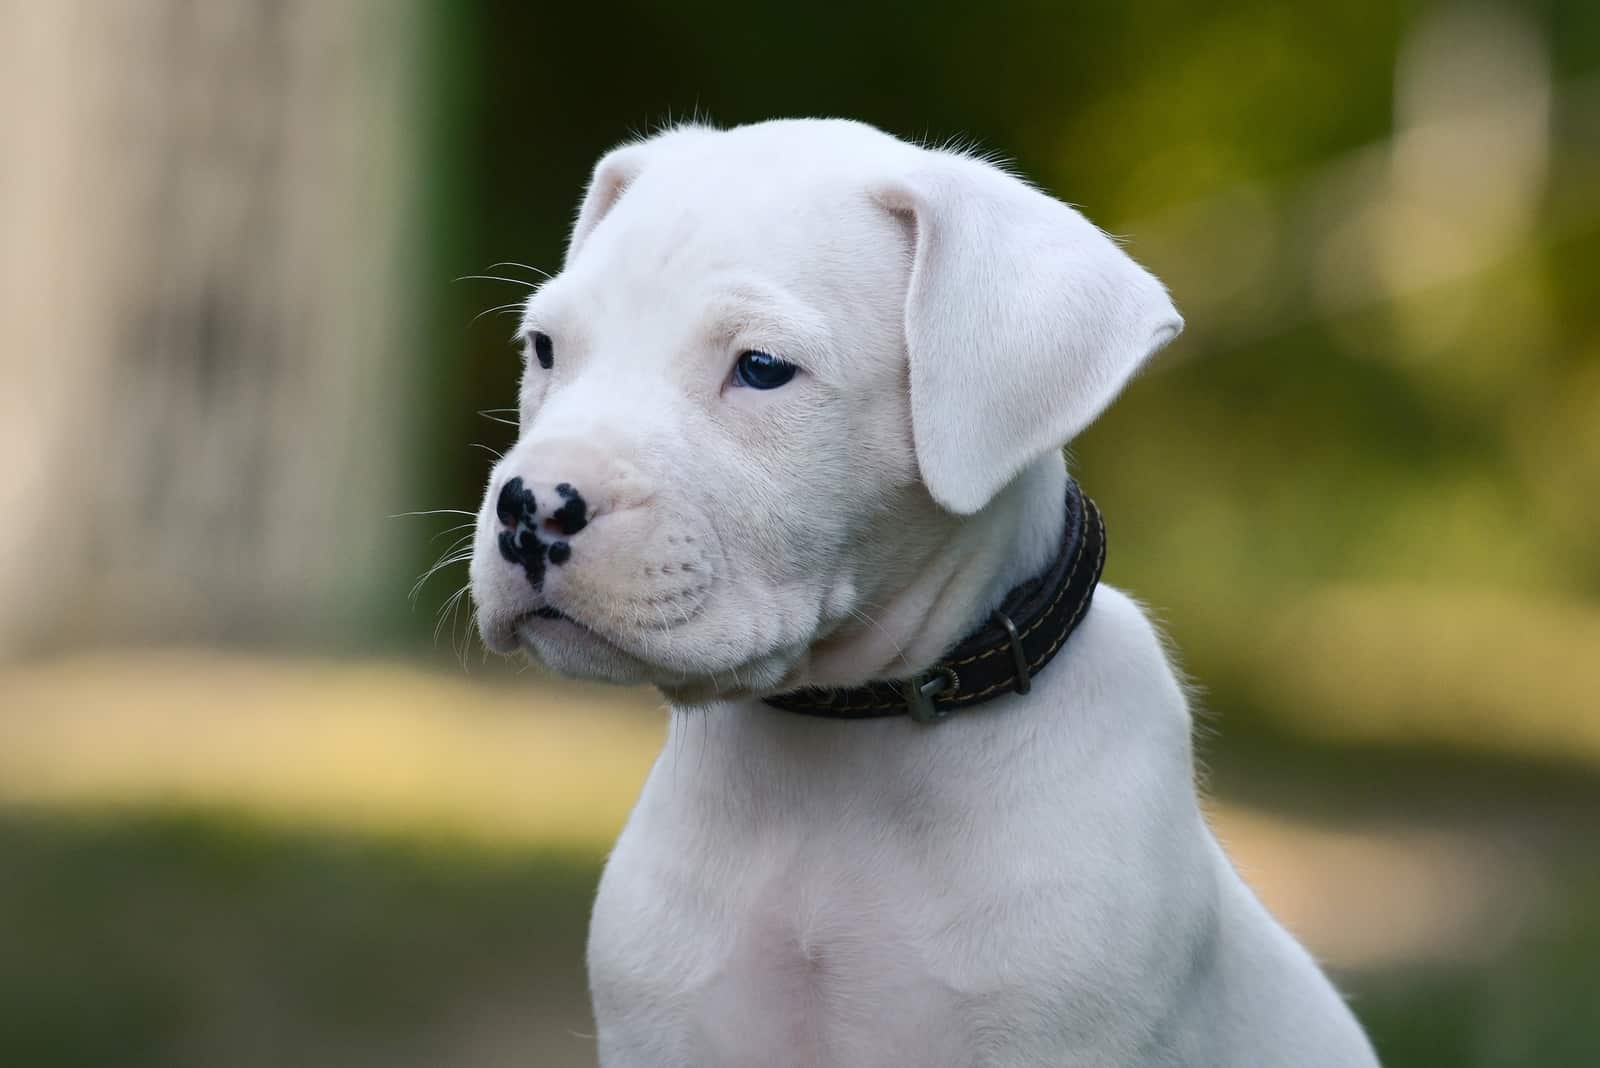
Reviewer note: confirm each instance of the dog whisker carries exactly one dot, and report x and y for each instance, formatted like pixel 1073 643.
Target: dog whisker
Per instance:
pixel 468 631
pixel 447 612
pixel 875 625
pixel 454 599
pixel 522 266
pixel 452 530
pixel 501 308
pixel 439 565
pixel 496 278
pixel 432 511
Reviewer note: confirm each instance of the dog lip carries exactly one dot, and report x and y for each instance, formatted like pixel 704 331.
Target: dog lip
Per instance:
pixel 541 620
pixel 545 612
pixel 536 625
pixel 551 614
pixel 527 624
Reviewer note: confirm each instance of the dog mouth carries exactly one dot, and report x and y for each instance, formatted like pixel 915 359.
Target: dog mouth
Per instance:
pixel 571 646
pixel 548 613
pixel 547 622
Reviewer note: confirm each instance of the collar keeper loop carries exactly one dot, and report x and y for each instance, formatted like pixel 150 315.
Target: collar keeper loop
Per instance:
pixel 1019 659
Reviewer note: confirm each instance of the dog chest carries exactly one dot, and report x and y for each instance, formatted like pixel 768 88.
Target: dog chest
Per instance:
pixel 794 953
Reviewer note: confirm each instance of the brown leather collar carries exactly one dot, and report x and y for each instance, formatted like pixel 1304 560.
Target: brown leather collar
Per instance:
pixel 1029 628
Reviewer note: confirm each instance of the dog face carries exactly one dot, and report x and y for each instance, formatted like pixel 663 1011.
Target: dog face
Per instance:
pixel 782 366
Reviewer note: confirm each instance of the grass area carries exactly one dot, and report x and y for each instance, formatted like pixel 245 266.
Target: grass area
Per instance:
pixel 173 938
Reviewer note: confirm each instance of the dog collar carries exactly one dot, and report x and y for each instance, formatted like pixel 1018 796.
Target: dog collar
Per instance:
pixel 1031 625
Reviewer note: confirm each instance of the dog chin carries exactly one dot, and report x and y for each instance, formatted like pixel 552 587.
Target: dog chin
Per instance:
pixel 577 651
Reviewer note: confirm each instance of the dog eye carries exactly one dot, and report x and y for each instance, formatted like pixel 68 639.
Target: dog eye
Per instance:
pixel 544 350
pixel 761 370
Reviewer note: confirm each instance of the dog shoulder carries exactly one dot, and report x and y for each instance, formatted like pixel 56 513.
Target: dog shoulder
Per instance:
pixel 1127 654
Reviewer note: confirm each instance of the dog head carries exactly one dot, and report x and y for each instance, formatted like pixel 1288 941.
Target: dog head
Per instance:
pixel 783 366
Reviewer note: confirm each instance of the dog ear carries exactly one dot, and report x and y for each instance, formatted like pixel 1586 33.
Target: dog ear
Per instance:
pixel 616 171
pixel 1023 320
pixel 619 169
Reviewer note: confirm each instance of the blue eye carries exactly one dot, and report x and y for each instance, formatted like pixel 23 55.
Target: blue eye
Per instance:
pixel 761 370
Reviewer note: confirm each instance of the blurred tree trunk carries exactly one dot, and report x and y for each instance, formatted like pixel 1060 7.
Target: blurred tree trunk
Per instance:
pixel 205 207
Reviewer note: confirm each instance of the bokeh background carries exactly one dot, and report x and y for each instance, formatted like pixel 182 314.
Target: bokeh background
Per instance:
pixel 258 806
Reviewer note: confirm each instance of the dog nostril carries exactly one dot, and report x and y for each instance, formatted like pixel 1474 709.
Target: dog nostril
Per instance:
pixel 523 548
pixel 508 547
pixel 515 503
pixel 573 515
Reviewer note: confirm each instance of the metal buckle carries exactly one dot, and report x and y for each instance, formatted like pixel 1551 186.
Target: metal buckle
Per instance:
pixel 1019 659
pixel 921 690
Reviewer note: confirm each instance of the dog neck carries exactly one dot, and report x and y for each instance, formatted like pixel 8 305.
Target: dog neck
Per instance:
pixel 959 585
pixel 780 762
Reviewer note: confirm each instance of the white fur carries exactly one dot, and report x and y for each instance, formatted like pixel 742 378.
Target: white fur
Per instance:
pixel 1028 883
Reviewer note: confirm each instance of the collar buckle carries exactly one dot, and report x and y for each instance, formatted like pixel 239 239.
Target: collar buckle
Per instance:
pixel 920 690
pixel 1019 659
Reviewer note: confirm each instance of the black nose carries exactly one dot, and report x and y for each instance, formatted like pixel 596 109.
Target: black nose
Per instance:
pixel 519 540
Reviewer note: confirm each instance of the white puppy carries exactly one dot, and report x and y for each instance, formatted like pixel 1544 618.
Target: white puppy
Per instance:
pixel 792 417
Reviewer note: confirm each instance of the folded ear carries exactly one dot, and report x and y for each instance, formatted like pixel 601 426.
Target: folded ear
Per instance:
pixel 619 169
pixel 616 171
pixel 1023 320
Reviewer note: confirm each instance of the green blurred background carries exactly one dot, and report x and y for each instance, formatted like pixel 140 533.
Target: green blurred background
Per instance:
pixel 258 808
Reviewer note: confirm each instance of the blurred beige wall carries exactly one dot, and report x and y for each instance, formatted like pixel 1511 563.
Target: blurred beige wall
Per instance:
pixel 202 238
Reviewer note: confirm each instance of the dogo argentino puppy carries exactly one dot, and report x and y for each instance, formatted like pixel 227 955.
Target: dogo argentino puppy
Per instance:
pixel 790 451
